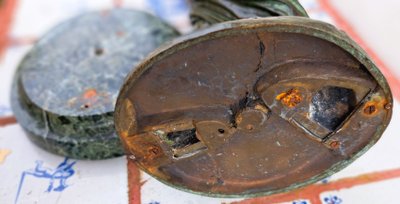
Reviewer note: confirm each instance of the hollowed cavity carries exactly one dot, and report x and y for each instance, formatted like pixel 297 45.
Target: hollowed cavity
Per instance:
pixel 331 105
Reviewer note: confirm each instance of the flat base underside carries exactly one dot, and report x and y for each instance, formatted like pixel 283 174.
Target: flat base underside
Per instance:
pixel 188 129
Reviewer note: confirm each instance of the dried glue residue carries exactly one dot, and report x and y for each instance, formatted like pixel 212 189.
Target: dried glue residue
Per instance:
pixel 3 155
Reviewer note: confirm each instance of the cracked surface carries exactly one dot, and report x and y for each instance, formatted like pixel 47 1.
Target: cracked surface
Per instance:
pixel 224 83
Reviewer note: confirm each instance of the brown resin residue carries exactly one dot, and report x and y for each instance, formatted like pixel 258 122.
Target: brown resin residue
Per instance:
pixel 124 134
pixel 290 98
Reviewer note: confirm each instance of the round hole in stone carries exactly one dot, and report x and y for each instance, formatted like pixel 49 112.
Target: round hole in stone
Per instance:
pixel 99 51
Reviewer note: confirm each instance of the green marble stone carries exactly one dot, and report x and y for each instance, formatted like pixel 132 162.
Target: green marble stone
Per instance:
pixel 65 88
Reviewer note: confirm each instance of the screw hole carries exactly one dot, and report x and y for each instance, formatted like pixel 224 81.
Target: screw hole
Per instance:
pixel 388 106
pixel 250 127
pixel 222 131
pixel 99 51
pixel 370 109
pixel 334 144
pixel 154 151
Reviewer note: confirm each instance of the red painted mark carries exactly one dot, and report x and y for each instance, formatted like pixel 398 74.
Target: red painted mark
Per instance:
pixel 312 192
pixel 340 21
pixel 9 120
pixel 134 183
pixel 7 9
pixel 90 93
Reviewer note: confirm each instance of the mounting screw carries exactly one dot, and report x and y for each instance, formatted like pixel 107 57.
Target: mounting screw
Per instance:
pixel 154 150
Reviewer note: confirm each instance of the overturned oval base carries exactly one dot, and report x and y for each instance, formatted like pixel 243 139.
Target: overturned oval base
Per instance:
pixel 253 107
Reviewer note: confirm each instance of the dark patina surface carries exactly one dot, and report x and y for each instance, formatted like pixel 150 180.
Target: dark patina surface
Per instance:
pixel 253 107
pixel 209 12
pixel 66 87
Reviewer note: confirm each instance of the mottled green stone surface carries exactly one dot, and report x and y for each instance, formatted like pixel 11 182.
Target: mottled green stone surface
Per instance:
pixel 65 89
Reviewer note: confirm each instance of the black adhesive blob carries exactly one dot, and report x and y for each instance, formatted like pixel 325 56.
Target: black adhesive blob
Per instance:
pixel 331 105
pixel 183 138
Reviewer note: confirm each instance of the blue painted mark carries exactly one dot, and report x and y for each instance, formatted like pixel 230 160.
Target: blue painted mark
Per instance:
pixel 61 173
pixel 154 202
pixel 299 202
pixel 332 200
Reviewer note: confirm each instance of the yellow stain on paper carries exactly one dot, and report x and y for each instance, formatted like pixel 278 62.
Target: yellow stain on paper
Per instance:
pixel 3 155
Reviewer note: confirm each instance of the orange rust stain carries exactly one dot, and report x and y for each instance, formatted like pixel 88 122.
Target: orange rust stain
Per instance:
pixel 313 192
pixel 375 105
pixel 7 8
pixel 124 134
pixel 370 108
pixel 290 98
pixel 134 183
pixel 90 93
pixel 334 144
pixel 153 152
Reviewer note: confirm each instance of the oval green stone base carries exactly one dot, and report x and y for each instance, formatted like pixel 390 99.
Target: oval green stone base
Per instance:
pixel 65 88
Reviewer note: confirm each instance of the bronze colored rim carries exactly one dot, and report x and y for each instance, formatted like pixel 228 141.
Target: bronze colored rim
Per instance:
pixel 368 104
